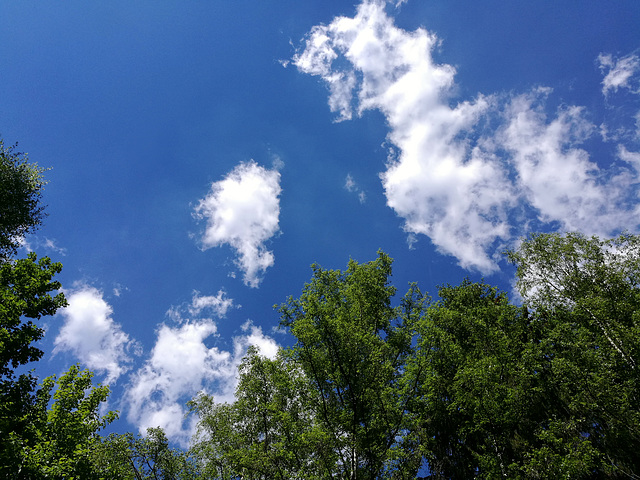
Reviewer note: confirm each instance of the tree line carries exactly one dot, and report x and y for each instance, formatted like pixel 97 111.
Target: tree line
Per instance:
pixel 469 384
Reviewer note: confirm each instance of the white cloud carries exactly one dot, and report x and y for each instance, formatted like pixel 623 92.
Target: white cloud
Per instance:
pixel 440 187
pixel 181 364
pixel 353 187
pixel 631 158
pixel 266 345
pixel 618 72
pixel 219 304
pixel 243 210
pixel 465 173
pixel 90 333
pixel 556 177
pixel 35 242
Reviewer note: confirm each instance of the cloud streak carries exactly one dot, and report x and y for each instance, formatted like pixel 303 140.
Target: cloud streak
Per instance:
pixel 469 175
pixel 243 210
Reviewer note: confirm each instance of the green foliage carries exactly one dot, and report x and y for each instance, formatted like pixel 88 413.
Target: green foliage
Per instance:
pixel 130 457
pixel 268 432
pixel 21 212
pixel 352 345
pixel 59 430
pixel 586 291
pixel 43 434
pixel 27 292
pixel 492 401
pixel 471 385
pixel 26 288
pixel 333 406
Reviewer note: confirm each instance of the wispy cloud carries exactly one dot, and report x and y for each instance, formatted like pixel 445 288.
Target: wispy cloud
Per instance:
pixel 91 334
pixel 558 178
pixel 469 175
pixel 243 210
pixel 34 242
pixel 217 304
pixel 619 72
pixel 351 186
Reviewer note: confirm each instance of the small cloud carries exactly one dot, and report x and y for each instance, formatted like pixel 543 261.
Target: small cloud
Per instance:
pixel 217 304
pixel 91 334
pixel 34 242
pixel 243 210
pixel 619 72
pixel 412 239
pixel 277 162
pixel 351 186
pixel 50 244
pixel 119 289
pixel 632 158
pixel 24 243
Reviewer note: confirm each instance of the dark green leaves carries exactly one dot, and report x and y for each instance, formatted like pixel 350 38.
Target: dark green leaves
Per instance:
pixel 470 386
pixel 21 186
pixel 27 292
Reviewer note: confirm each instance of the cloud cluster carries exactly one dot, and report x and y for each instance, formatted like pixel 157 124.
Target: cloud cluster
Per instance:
pixel 243 210
pixel 182 364
pixel 90 333
pixel 469 175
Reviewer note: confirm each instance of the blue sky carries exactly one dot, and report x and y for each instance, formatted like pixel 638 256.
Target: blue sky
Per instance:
pixel 204 154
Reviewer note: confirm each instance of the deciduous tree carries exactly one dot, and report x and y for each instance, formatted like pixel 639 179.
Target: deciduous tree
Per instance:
pixel 21 211
pixel 134 457
pixel 334 405
pixel 62 426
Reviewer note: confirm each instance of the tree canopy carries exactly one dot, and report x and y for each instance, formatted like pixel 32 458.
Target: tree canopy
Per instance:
pixel 470 385
pixel 467 385
pixel 21 210
pixel 43 433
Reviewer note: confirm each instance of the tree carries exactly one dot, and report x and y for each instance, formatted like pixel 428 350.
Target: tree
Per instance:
pixel 132 457
pixel 334 405
pixel 352 345
pixel 587 292
pixel 26 287
pixel 42 434
pixel 268 432
pixel 27 292
pixel 469 386
pixel 61 429
pixel 21 212
pixel 548 389
pixel 491 399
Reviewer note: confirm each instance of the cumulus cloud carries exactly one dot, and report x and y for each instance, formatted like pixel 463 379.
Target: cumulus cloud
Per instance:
pixel 243 210
pixel 558 178
pixel 619 72
pixel 464 174
pixel 91 334
pixel 182 364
